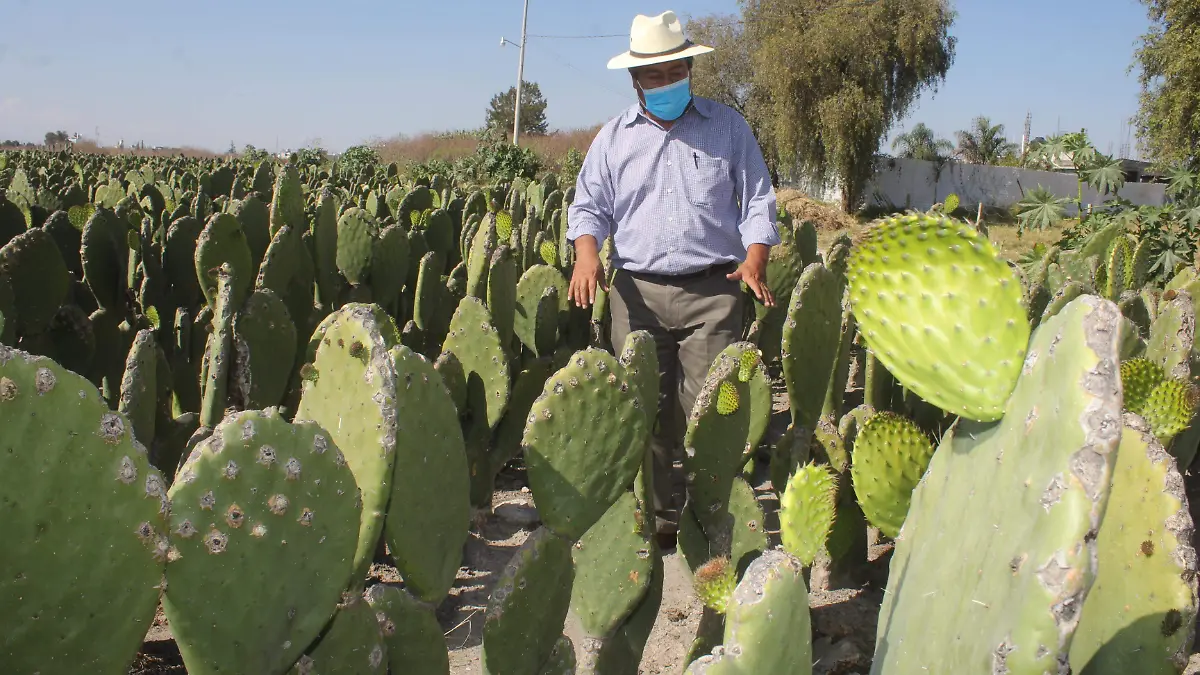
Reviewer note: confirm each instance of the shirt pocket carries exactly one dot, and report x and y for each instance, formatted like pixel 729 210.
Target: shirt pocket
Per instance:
pixel 707 179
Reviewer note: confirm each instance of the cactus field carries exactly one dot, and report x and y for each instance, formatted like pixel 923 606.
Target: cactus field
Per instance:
pixel 280 419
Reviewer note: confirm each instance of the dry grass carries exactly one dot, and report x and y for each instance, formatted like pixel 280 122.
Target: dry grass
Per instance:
pixel 827 217
pixel 1003 235
pixel 449 147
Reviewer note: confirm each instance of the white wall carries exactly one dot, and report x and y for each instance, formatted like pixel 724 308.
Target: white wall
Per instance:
pixel 915 183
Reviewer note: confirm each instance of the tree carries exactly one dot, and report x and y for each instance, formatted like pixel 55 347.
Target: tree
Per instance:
pixel 1168 117
pixel 983 143
pixel 726 75
pixel 840 73
pixel 56 138
pixel 533 110
pixel 921 143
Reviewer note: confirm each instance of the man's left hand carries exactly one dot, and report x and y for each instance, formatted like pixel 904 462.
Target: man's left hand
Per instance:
pixel 754 273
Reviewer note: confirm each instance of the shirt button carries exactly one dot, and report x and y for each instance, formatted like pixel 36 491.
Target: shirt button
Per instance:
pixel 672 218
pixel 670 190
pixel 668 162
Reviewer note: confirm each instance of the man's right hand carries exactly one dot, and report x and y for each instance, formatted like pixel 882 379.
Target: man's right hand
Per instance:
pixel 589 273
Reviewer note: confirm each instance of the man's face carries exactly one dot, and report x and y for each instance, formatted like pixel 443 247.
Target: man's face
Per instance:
pixel 659 75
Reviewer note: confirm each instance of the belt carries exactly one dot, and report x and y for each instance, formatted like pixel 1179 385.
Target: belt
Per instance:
pixel 723 268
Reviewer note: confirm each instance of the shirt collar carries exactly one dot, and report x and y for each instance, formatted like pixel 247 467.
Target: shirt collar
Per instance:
pixel 702 106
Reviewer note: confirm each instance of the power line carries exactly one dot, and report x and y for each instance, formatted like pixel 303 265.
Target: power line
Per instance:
pixel 587 74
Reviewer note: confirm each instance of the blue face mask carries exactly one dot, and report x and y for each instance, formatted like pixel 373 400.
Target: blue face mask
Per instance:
pixel 669 102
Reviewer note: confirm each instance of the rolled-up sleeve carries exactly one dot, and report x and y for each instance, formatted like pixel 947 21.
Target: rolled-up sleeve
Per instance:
pixel 592 210
pixel 755 192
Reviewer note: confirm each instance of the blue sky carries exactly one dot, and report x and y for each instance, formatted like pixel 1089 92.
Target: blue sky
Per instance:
pixel 270 72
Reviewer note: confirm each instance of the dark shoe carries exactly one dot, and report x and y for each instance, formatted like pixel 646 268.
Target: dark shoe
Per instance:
pixel 666 541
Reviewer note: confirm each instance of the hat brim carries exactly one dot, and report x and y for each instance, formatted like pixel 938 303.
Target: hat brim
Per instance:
pixel 627 60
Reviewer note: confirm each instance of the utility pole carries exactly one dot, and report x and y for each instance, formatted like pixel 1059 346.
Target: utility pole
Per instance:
pixel 520 74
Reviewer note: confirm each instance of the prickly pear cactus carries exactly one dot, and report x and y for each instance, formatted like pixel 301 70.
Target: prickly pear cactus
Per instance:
pixel 767 623
pixel 714 582
pixel 430 469
pixel 811 334
pixel 222 242
pixel 1139 377
pixel 1169 407
pixel 807 512
pixel 530 288
pixel 998 547
pixel 414 639
pixel 528 606
pixel 258 520
pixel 1139 616
pixel 352 645
pixel 351 390
pixel 584 442
pixel 72 478
pixel 613 569
pixel 1172 334
pixel 924 288
pixel 891 454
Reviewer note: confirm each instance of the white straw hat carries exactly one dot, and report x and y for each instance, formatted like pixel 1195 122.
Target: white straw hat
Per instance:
pixel 655 39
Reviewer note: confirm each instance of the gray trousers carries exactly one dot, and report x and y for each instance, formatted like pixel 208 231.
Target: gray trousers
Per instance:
pixel 692 320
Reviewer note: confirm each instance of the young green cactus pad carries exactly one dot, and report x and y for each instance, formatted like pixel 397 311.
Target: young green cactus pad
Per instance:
pixel 811 335
pixel 613 569
pixel 353 644
pixel 767 623
pixel 584 442
pixel 354 396
pixel 998 547
pixel 942 311
pixel 1169 407
pixel 258 523
pixel 1172 334
pixel 727 399
pixel 430 469
pixel 410 629
pixel 891 454
pixel 808 509
pixel 1139 377
pixel 1139 615
pixel 715 582
pixel 72 478
pixel 528 606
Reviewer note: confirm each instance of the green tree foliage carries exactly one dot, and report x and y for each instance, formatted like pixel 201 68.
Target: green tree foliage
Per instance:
pixel 356 158
pixel 841 73
pixel 921 143
pixel 533 110
pixel 983 143
pixel 727 76
pixel 55 139
pixel 1168 119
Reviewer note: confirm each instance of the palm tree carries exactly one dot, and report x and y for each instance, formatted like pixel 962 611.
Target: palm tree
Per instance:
pixel 921 143
pixel 984 143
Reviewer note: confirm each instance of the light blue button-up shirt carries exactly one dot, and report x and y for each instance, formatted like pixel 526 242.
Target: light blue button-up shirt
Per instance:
pixel 675 201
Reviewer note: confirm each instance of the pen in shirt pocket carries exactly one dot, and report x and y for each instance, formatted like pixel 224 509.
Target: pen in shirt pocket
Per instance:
pixel 696 159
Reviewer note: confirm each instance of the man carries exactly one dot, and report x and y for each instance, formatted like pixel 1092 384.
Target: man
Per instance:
pixel 679 183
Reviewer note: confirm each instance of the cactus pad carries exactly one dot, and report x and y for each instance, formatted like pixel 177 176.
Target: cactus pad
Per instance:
pixel 812 332
pixel 430 469
pixel 1140 613
pixel 1169 408
pixel 353 395
pixel 767 624
pixel 808 509
pixel 222 242
pixel 40 282
pixel 530 288
pixel 548 252
pixel 352 645
pixel 528 606
pixel 1139 377
pixel 748 364
pixel 926 288
pixel 259 510
pixel 715 582
pixel 612 569
pixel 584 442
pixel 414 639
pixel 72 478
pixel 264 346
pixel 1172 334
pixel 998 547
pixel 356 232
pixel 891 454
pixel 727 398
